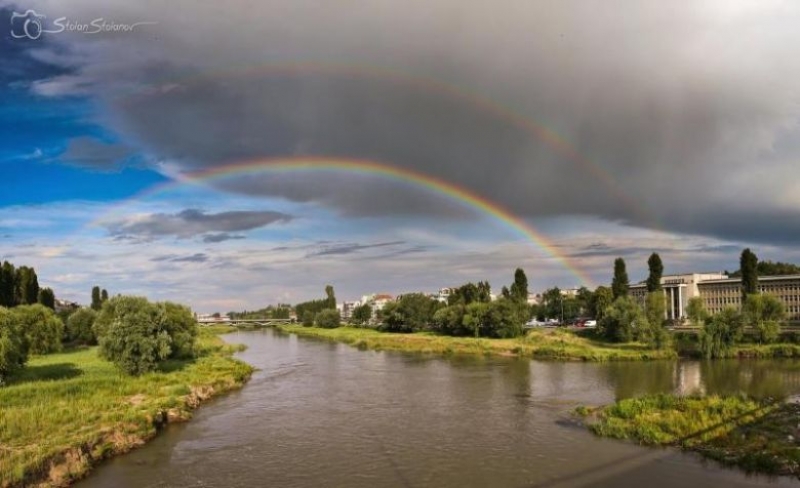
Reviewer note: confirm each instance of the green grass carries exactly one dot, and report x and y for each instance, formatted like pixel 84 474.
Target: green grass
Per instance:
pixel 759 437
pixel 67 411
pixel 540 344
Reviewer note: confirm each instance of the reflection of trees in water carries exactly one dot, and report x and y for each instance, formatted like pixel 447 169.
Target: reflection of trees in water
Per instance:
pixel 636 379
pixel 760 379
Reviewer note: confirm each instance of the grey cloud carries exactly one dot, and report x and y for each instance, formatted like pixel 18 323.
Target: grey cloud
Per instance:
pixel 192 222
pixel 682 119
pixel 351 248
pixel 214 238
pixel 94 154
pixel 192 258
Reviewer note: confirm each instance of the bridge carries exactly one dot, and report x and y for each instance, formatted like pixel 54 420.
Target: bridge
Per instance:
pixel 244 322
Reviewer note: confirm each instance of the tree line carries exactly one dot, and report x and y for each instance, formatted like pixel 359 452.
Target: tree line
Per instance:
pixel 20 286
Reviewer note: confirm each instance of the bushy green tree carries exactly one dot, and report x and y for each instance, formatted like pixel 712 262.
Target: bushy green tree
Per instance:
pixel 13 345
pixel 652 332
pixel 696 311
pixel 766 314
pixel 469 293
pixel 603 298
pixel 362 314
pixel 620 283
pixel 503 319
pixel 79 326
pixel 131 333
pixel 621 320
pixel 42 328
pixel 450 320
pixel 414 311
pixel 328 318
pixel 721 332
pixel 103 295
pixel 307 318
pixel 179 322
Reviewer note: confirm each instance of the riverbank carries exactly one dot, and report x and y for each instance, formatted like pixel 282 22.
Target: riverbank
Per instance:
pixel 555 344
pixel 66 412
pixel 757 436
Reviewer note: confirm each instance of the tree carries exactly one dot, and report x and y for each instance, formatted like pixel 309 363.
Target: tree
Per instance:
pixel 720 333
pixel 179 323
pixel 13 346
pixel 414 311
pixel 766 314
pixel 748 264
pixel 470 292
pixel 619 285
pixel 696 311
pixel 330 297
pixel 656 268
pixel 47 298
pixel 328 319
pixel 79 326
pixel 104 296
pixel 450 320
pixel 307 318
pixel 131 334
pixel 7 284
pixel 653 332
pixel 362 314
pixel 42 328
pixel 26 286
pixel 603 298
pixel 503 319
pixel 622 319
pixel 519 289
pixel 97 301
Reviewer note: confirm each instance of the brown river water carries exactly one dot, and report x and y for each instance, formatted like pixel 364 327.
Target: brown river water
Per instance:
pixel 319 414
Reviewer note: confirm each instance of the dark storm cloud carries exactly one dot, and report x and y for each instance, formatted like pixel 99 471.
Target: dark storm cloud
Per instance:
pixel 192 222
pixel 681 118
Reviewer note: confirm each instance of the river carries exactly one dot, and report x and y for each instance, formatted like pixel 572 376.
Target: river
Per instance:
pixel 319 414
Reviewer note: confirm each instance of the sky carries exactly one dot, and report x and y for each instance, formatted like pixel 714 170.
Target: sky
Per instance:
pixel 231 155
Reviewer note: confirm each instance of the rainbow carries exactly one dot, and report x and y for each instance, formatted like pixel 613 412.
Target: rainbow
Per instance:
pixel 372 168
pixel 550 138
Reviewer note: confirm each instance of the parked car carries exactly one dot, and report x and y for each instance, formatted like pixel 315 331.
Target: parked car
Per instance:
pixel 590 323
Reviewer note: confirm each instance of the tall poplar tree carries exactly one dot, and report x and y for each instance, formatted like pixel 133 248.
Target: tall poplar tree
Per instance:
pixel 656 271
pixel 620 283
pixel 748 264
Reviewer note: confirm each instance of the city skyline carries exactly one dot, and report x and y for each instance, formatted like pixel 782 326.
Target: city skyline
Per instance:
pixel 239 160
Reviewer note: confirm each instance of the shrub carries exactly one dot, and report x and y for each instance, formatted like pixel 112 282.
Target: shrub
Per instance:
pixel 720 333
pixel 766 314
pixel 79 326
pixel 132 334
pixel 328 319
pixel 13 345
pixel 42 328
pixel 308 318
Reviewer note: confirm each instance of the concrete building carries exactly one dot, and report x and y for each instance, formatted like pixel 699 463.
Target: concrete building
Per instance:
pixel 718 291
pixel 444 293
pixel 346 309
pixel 678 288
pixel 727 292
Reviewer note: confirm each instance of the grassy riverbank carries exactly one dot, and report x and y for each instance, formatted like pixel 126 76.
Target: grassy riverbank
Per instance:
pixel 67 411
pixel 539 344
pixel 759 437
